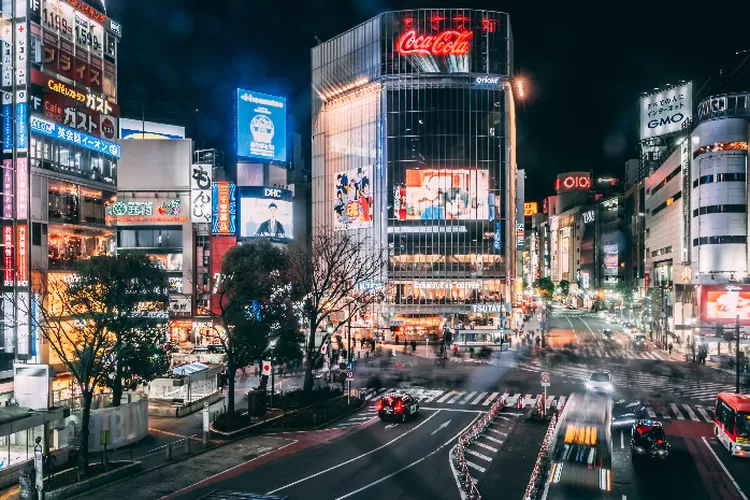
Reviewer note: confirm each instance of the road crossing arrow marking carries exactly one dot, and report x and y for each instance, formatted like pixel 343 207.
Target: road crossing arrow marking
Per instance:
pixel 391 426
pixel 442 426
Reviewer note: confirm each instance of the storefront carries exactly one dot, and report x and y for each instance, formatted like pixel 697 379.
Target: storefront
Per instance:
pixel 180 331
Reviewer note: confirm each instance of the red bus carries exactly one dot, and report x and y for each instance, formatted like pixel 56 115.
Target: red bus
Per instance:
pixel 732 419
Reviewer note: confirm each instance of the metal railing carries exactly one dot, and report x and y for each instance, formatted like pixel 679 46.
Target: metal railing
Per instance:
pixel 539 471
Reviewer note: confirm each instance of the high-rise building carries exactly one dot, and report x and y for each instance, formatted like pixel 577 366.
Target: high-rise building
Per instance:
pixel 414 147
pixel 59 116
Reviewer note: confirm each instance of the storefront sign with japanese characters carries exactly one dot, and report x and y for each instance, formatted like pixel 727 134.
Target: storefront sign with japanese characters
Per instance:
pixel 200 193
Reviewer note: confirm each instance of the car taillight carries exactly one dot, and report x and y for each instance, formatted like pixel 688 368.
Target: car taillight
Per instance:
pixel 380 405
pixel 398 407
pixel 659 441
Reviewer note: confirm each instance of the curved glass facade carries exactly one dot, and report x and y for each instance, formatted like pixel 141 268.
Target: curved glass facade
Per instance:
pixel 418 103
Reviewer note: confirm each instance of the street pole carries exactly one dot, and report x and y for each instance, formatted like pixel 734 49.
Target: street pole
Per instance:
pixel 273 383
pixel 349 356
pixel 737 354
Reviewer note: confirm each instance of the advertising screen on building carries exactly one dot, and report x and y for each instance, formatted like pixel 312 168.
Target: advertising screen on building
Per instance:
pixel 353 204
pixel 530 208
pixel 261 126
pixel 167 261
pixel 725 302
pixel 573 181
pixel 49 129
pixel 265 212
pixel 433 194
pixel 224 211
pixel 140 129
pixel 666 111
pixel 611 260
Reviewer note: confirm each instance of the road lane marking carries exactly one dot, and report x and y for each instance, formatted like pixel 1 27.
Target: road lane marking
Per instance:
pixel 651 412
pixel 466 400
pixel 208 479
pixel 446 396
pixel 690 413
pixel 475 466
pixel 494 440
pixel 450 461
pixel 704 414
pixel 477 454
pixel 391 426
pixel 455 398
pixel 622 440
pixel 504 434
pixel 459 410
pixel 374 450
pixel 676 411
pixel 486 447
pixel 441 427
pixel 490 398
pixel 479 398
pixel 737 486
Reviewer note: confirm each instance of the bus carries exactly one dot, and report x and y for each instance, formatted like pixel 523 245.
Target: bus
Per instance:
pixel 583 451
pixel 732 419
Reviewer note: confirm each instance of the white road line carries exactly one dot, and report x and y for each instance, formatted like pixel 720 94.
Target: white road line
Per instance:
pixel 456 397
pixel 703 413
pixel 494 440
pixel 446 396
pixel 622 440
pixel 526 399
pixel 676 411
pixel 505 434
pixel 347 462
pixel 467 398
pixel 690 413
pixel 651 412
pixel 742 494
pixel 431 398
pixel 561 401
pixel 550 400
pixel 486 447
pixel 479 398
pixel 490 398
pixel 478 455
pixel 475 466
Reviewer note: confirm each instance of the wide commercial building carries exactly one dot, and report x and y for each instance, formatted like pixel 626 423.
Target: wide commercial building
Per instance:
pixel 414 147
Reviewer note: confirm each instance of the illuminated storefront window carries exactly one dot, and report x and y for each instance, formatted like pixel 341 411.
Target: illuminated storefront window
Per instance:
pixel 68 244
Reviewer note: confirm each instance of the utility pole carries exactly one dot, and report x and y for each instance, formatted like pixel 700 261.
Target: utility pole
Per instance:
pixel 663 319
pixel 737 354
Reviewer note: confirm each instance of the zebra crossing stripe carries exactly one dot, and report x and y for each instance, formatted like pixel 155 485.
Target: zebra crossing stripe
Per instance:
pixel 455 398
pixel 550 399
pixel 446 396
pixel 475 466
pixel 479 398
pixel 490 398
pixel 494 440
pixel 690 412
pixel 467 398
pixel 651 412
pixel 702 411
pixel 561 401
pixel 486 447
pixel 432 397
pixel 477 454
pixel 676 411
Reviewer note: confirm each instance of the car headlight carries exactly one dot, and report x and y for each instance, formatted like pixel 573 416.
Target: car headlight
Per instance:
pixel 639 449
pixel 588 385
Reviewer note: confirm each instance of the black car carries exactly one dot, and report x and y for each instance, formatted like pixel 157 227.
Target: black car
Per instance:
pixel 398 406
pixel 626 413
pixel 648 440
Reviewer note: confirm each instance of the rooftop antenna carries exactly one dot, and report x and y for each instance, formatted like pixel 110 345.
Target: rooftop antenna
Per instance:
pixel 317 39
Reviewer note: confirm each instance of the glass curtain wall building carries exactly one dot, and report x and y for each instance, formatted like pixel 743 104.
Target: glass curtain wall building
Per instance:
pixel 414 147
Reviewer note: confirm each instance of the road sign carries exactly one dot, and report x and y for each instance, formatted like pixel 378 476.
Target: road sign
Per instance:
pixel 349 375
pixel 545 379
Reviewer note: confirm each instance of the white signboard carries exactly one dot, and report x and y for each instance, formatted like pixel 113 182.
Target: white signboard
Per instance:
pixel 200 194
pixel 665 112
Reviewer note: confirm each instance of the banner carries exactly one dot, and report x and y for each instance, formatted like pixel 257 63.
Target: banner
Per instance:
pixel 200 194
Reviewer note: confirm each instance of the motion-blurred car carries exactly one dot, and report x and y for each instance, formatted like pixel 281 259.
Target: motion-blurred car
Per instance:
pixel 647 439
pixel 639 341
pixel 607 332
pixel 600 382
pixel 626 413
pixel 397 406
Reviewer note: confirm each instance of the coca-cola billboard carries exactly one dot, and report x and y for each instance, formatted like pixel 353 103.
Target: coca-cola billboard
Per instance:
pixel 446 43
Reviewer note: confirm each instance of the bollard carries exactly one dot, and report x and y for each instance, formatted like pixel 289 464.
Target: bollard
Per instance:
pixel 169 451
pixel 187 445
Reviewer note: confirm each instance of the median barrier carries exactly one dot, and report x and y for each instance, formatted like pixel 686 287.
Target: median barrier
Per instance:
pixel 539 472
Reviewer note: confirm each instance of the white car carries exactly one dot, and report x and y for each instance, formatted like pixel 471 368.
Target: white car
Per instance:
pixel 600 382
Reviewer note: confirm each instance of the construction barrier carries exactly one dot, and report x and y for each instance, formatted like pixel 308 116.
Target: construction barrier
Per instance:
pixel 539 472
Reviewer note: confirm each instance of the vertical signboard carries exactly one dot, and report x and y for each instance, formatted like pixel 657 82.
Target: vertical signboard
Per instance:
pixel 7 189
pixel 22 56
pixel 22 188
pixel 22 322
pixel 8 255
pixel 224 212
pixel 685 229
pixel 6 35
pixel 7 123
pixel 200 194
pixel 22 134
pixel 9 326
pixel 23 257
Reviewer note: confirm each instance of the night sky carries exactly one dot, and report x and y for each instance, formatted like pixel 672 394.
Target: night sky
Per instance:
pixel 584 65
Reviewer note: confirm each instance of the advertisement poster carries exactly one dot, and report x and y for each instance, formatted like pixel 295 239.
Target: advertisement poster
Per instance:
pixel 353 205
pixel 224 210
pixel 666 111
pixel 22 188
pixel 168 261
pixel 200 194
pixel 726 303
pixel 433 194
pixel 611 260
pixel 266 212
pixel 261 126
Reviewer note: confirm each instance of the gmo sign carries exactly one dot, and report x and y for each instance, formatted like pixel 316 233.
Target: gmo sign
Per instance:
pixel 667 120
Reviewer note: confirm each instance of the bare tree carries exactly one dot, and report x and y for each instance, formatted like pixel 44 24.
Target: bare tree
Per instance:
pixel 340 276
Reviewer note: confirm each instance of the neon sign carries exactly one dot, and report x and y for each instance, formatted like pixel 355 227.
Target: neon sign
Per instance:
pixel 573 182
pixel 447 43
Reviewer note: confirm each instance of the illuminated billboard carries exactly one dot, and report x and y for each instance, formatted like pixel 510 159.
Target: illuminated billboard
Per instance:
pixel 353 207
pixel 724 303
pixel 530 208
pixel 261 126
pixel 573 181
pixel 667 111
pixel 435 194
pixel 55 131
pixel 224 211
pixel 265 212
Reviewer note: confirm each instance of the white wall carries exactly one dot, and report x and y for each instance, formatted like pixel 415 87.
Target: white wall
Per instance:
pixel 153 164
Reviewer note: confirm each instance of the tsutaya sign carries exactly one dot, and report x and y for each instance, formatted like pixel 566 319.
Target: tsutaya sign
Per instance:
pixel 488 308
pixel 447 43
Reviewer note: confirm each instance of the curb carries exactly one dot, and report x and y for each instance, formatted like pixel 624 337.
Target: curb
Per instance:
pixel 362 404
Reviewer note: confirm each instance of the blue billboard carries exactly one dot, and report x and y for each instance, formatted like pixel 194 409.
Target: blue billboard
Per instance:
pixel 71 136
pixel 224 208
pixel 261 126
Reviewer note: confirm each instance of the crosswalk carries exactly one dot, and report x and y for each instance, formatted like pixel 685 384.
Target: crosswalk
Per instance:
pixel 605 352
pixel 653 383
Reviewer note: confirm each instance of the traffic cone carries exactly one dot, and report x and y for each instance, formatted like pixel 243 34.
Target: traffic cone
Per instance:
pixel 520 402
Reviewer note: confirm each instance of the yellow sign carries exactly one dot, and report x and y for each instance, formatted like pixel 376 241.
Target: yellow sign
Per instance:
pixel 576 434
pixel 530 208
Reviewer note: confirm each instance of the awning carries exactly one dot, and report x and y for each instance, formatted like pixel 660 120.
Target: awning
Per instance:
pixel 189 369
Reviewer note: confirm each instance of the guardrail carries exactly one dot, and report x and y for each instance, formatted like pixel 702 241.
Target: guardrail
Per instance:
pixel 467 439
pixel 532 490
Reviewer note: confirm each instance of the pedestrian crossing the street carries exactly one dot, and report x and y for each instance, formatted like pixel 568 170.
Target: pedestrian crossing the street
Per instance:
pixel 652 383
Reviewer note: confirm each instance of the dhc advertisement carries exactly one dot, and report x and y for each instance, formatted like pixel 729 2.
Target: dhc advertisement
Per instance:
pixel 261 126
pixel 71 136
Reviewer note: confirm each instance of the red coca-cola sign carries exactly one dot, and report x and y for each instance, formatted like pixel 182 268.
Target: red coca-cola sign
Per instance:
pixel 447 43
